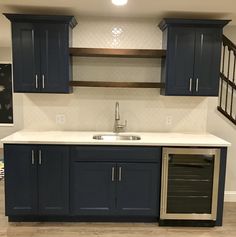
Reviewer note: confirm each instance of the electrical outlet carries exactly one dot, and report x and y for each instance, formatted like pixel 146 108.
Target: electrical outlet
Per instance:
pixel 169 120
pixel 60 118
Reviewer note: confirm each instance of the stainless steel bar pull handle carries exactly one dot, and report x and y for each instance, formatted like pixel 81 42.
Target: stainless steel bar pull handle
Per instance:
pixel 197 83
pixel 36 81
pixel 40 157
pixel 32 157
pixel 113 174
pixel 43 81
pixel 190 84
pixel 120 173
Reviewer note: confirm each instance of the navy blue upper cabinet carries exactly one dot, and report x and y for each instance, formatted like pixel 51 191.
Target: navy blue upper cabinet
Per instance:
pixel 192 63
pixel 54 58
pixel 26 57
pixel 40 47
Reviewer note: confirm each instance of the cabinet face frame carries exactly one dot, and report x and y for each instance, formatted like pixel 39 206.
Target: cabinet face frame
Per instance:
pixel 164 183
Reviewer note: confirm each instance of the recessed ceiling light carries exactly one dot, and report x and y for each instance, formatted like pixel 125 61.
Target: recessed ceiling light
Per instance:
pixel 119 2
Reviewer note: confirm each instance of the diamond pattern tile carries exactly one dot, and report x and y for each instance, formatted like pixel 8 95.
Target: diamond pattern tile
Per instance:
pixel 93 108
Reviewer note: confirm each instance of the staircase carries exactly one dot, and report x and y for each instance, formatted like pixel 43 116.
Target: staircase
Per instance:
pixel 227 94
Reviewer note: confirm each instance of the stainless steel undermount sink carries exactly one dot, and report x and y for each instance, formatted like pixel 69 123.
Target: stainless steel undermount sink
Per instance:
pixel 116 137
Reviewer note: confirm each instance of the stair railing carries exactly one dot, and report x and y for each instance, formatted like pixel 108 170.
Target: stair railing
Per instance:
pixel 227 94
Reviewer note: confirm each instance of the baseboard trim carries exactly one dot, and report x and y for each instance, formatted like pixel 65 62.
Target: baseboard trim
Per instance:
pixel 230 196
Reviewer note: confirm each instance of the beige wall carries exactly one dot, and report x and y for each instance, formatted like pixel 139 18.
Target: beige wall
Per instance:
pixel 5 56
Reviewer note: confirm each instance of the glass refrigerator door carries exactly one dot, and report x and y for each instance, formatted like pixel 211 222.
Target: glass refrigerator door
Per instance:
pixel 189 183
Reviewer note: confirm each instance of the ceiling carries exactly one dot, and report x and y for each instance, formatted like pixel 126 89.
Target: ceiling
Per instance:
pixel 220 9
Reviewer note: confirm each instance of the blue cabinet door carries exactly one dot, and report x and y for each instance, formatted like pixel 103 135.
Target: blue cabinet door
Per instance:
pixel 26 57
pixel 54 58
pixel 53 180
pixel 138 189
pixel 92 190
pixel 41 52
pixel 192 61
pixel 37 180
pixel 180 61
pixel 21 180
pixel 207 61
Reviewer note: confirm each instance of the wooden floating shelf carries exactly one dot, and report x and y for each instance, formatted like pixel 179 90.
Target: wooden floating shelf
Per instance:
pixel 117 84
pixel 119 53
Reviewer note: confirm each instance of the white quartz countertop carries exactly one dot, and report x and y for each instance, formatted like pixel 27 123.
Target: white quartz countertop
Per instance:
pixel 86 138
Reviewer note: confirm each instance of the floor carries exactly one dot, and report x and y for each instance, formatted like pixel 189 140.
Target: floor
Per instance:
pixel 113 229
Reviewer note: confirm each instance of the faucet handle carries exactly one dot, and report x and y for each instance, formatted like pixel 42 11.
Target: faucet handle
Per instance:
pixel 123 126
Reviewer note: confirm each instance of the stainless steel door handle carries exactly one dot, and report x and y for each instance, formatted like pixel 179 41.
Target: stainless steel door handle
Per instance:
pixel 36 81
pixel 190 84
pixel 40 157
pixel 43 81
pixel 32 157
pixel 197 81
pixel 202 38
pixel 113 174
pixel 120 174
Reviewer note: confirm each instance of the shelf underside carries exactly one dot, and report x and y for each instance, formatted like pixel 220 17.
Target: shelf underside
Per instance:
pixel 125 53
pixel 117 84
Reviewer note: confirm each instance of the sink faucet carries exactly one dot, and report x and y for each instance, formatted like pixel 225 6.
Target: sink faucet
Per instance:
pixel 117 126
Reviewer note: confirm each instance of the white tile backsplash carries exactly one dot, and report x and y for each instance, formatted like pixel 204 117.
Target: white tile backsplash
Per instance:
pixel 93 108
pixel 132 33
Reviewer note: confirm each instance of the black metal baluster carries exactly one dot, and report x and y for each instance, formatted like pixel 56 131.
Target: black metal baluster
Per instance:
pixel 222 71
pixel 232 92
pixel 227 87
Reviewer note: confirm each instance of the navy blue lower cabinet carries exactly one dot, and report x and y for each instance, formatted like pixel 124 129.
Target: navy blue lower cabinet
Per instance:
pixel 20 180
pixel 115 181
pixel 37 180
pixel 138 187
pixel 114 189
pixel 74 183
pixel 53 180
pixel 92 188
pixel 44 182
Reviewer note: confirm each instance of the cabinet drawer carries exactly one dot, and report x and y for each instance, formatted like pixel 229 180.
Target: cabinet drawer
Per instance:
pixel 116 153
